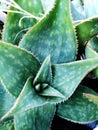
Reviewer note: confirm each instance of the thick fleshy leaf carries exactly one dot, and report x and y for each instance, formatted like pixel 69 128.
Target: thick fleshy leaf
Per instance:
pixel 91 98
pixel 28 99
pixel 90 53
pixel 39 118
pixel 92 9
pixel 16 65
pixel 51 35
pixel 65 82
pixel 93 43
pixel 51 92
pixel 65 79
pixel 6 101
pixel 44 74
pixel 7 126
pixel 43 80
pixel 78 108
pixel 13 32
pixel 87 29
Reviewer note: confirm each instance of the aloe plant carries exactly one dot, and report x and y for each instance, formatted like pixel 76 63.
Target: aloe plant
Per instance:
pixel 44 57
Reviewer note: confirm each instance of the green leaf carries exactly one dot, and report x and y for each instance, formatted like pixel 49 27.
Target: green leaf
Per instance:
pixel 43 80
pixel 65 82
pixel 67 77
pixel 91 53
pixel 78 108
pixel 51 92
pixel 13 32
pixel 7 126
pixel 39 118
pixel 44 74
pixel 29 99
pixel 87 29
pixel 51 35
pixel 93 43
pixel 16 65
pixel 6 101
pixel 91 98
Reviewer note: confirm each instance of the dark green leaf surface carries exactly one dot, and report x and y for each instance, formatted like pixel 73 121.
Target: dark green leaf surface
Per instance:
pixel 90 52
pixel 53 36
pixel 6 101
pixel 93 43
pixel 44 74
pixel 87 29
pixel 38 118
pixel 16 65
pixel 65 79
pixel 28 99
pixel 43 80
pixel 51 92
pixel 91 98
pixel 7 126
pixel 78 108
pixel 13 32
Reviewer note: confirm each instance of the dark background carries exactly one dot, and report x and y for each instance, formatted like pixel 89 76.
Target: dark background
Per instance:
pixel 62 124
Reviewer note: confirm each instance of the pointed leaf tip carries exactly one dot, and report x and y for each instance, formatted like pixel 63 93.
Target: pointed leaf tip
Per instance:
pixel 64 75
pixel 16 65
pixel 50 35
pixel 51 92
pixel 44 74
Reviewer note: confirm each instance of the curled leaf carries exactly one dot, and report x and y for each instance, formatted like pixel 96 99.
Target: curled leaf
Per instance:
pixel 86 30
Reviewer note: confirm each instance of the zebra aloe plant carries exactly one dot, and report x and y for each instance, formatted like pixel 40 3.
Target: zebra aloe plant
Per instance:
pixel 41 71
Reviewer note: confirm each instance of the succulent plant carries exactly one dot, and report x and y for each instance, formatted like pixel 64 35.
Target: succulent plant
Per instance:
pixel 44 56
